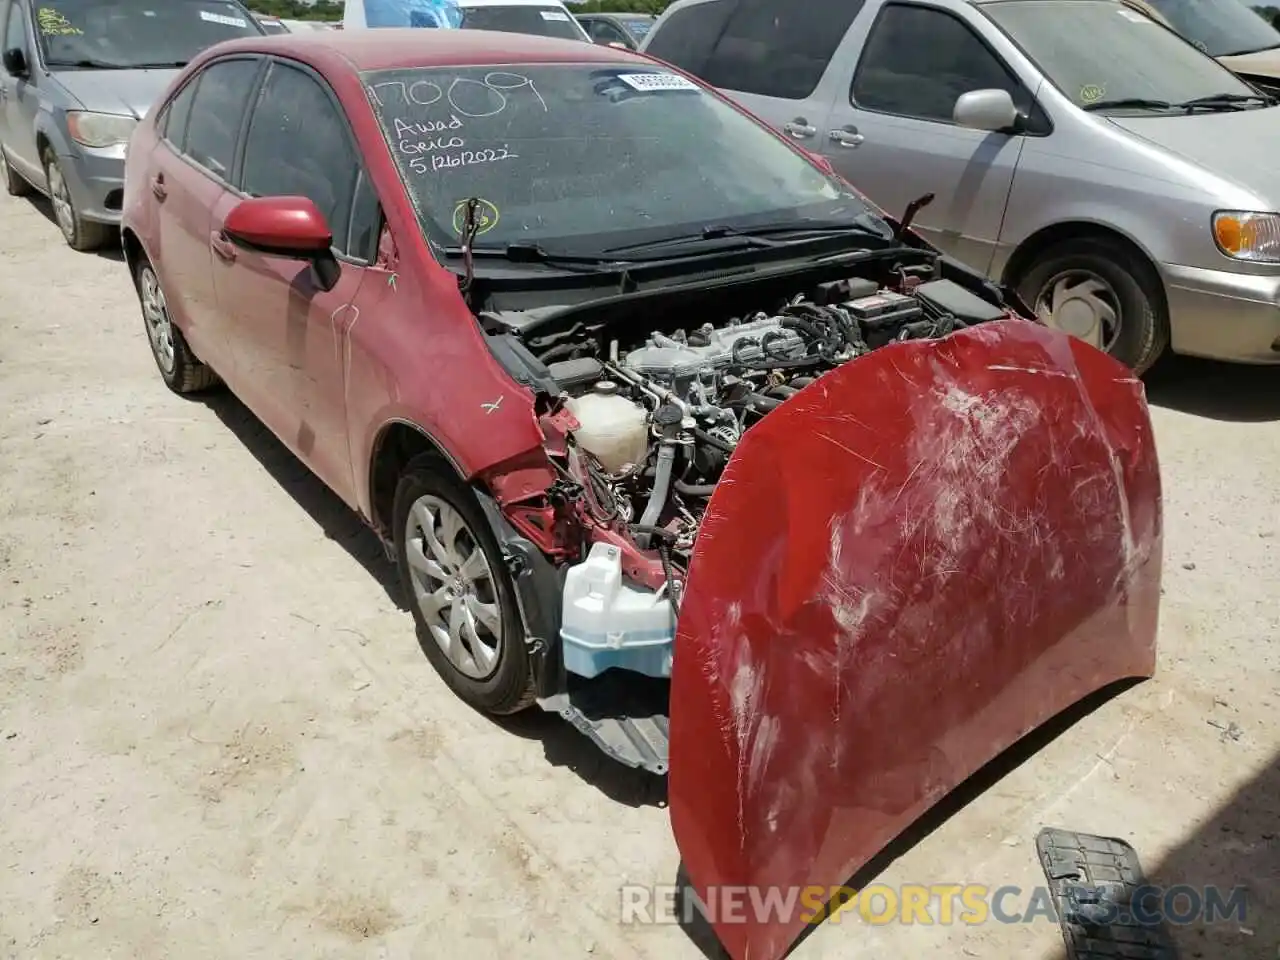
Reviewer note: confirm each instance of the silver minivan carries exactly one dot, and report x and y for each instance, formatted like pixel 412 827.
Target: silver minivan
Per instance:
pixel 1123 181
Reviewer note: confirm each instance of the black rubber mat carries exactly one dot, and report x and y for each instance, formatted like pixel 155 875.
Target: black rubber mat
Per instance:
pixel 1093 881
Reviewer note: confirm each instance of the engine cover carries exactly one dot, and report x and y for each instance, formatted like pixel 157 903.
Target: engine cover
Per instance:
pixel 664 358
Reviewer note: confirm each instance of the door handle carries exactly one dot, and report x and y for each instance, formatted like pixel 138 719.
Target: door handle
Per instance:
pixel 800 128
pixel 847 136
pixel 158 187
pixel 222 246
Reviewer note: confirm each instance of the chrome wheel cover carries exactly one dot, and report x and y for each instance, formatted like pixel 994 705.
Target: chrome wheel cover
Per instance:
pixel 454 587
pixel 60 197
pixel 1082 304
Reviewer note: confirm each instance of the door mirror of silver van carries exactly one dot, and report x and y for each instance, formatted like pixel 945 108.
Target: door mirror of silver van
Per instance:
pixel 991 110
pixel 15 63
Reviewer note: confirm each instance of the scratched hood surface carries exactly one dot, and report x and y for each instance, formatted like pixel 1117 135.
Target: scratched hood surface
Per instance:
pixel 908 566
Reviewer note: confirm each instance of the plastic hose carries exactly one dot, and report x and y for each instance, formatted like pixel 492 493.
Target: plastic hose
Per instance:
pixel 661 490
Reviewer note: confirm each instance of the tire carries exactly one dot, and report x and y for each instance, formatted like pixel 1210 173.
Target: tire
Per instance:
pixel 495 678
pixel 14 184
pixel 80 234
pixel 178 366
pixel 1097 269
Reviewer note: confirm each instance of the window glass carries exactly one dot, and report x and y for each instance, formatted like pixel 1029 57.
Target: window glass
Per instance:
pixel 298 145
pixel 15 34
pixel 366 220
pixel 177 115
pixel 216 113
pixel 1221 28
pixel 638 27
pixel 918 61
pixel 572 155
pixel 137 33
pixel 778 48
pixel 1098 52
pixel 602 31
pixel 548 21
pixel 688 36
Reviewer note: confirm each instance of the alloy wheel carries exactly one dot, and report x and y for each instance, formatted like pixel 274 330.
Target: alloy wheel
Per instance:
pixel 60 197
pixel 155 312
pixel 1081 303
pixel 454 586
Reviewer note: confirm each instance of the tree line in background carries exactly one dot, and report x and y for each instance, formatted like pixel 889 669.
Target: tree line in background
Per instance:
pixel 332 9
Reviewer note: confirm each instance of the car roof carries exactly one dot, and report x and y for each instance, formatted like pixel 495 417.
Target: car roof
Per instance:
pixel 392 48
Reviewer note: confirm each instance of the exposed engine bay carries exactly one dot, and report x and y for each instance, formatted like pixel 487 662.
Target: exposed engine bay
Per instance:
pixel 655 419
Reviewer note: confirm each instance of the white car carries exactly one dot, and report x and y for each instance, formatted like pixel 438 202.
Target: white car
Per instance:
pixel 545 18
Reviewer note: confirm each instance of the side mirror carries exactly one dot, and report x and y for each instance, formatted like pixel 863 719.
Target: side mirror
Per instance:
pixel 990 110
pixel 15 62
pixel 290 227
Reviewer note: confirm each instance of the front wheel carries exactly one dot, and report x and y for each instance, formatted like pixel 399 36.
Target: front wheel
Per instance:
pixel 1099 291
pixel 462 597
pixel 80 234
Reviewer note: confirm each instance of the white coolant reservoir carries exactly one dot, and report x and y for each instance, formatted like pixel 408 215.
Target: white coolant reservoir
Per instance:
pixel 608 624
pixel 614 430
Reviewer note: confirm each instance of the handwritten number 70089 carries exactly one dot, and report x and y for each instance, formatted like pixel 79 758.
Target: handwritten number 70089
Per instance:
pixel 424 93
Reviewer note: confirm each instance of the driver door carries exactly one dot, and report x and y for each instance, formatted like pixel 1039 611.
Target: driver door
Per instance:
pixel 20 99
pixel 892 135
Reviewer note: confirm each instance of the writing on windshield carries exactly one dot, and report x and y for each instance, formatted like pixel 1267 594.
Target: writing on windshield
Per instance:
pixel 430 119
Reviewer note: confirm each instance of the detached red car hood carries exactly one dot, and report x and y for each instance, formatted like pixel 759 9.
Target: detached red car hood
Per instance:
pixel 917 560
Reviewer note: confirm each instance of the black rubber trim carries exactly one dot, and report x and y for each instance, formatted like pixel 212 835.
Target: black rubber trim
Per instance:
pixel 1093 881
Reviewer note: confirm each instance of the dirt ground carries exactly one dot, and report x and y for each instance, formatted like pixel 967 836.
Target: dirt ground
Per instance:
pixel 218 737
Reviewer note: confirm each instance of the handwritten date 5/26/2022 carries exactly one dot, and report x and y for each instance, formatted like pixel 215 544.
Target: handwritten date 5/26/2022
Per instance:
pixel 464 97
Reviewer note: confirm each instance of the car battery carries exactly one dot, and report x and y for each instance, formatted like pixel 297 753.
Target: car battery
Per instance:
pixel 885 309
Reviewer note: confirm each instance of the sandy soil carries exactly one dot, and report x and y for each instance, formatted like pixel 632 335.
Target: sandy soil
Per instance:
pixel 218 737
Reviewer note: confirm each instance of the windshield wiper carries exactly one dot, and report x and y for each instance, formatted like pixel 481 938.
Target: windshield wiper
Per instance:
pixel 160 65
pixel 761 236
pixel 90 62
pixel 1227 101
pixel 1245 53
pixel 1123 103
pixel 527 252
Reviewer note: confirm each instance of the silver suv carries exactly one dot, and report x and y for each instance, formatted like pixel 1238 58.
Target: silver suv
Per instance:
pixel 76 78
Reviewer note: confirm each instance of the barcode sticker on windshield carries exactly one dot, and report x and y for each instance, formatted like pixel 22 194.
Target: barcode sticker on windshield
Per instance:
pixel 647 82
pixel 222 19
pixel 555 15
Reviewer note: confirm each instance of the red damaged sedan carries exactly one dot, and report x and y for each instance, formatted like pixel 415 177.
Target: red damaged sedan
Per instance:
pixel 658 418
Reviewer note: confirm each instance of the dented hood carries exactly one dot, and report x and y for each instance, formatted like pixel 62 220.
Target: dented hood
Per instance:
pixel 917 560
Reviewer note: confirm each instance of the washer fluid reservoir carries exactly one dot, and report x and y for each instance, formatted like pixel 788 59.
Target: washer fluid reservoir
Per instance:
pixel 613 429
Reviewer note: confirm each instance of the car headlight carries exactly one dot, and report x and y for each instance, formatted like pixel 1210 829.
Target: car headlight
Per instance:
pixel 99 129
pixel 1248 236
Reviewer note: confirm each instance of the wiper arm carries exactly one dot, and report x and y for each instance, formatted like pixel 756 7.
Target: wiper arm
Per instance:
pixel 1229 100
pixel 1136 103
pixel 160 65
pixel 525 252
pixel 760 236
pixel 90 62
pixel 1245 53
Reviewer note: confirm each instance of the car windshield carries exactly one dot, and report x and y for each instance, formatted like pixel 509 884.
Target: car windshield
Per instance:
pixel 578 155
pixel 1099 52
pixel 136 33
pixel 542 21
pixel 1220 28
pixel 638 27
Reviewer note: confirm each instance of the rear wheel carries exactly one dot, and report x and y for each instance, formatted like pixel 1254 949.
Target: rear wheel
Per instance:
pixel 79 233
pixel 1099 291
pixel 14 184
pixel 458 587
pixel 181 371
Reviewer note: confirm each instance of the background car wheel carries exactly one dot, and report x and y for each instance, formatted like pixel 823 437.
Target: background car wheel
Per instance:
pixel 79 233
pixel 457 585
pixel 14 185
pixel 181 371
pixel 1098 290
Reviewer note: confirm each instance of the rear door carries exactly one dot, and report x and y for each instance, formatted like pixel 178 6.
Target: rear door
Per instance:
pixel 891 130
pixel 289 334
pixel 769 55
pixel 189 176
